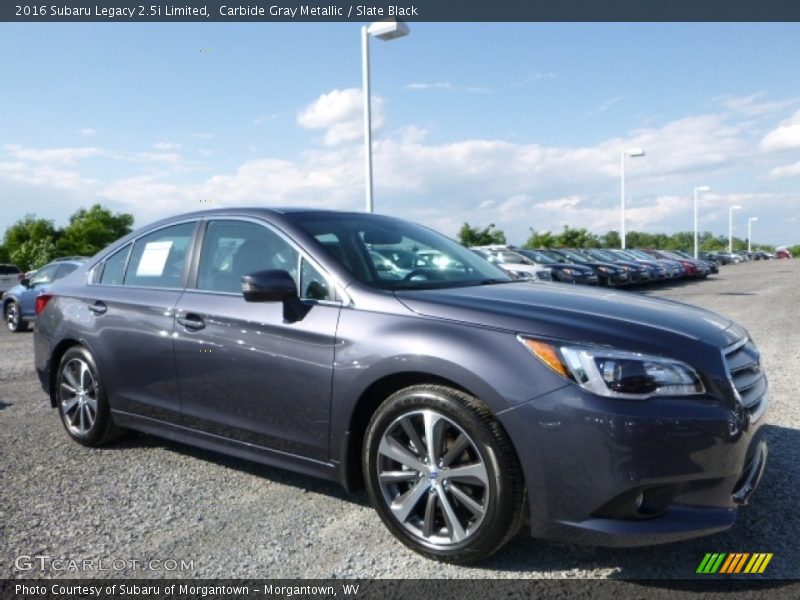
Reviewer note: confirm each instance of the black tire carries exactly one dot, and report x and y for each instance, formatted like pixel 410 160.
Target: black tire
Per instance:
pixel 487 508
pixel 81 399
pixel 13 318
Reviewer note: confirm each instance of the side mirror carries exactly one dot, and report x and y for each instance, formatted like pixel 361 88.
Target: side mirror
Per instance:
pixel 272 285
pixel 25 282
pixel 275 285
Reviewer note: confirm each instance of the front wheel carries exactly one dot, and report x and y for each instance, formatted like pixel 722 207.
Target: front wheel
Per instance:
pixel 13 318
pixel 442 474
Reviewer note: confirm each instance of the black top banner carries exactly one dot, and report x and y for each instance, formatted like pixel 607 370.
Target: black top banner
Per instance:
pixel 142 11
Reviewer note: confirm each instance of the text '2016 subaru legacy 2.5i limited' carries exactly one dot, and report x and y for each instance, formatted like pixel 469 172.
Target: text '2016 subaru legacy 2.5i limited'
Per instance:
pixel 466 402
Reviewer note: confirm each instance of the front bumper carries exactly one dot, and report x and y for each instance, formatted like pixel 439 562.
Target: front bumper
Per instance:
pixel 610 472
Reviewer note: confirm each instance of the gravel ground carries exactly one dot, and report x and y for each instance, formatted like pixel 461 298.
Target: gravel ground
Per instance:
pixel 146 498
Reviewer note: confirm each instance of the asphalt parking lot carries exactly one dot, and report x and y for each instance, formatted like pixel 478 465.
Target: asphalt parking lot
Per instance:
pixel 148 499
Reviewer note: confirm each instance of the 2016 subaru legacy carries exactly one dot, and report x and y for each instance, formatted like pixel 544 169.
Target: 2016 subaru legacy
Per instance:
pixel 466 402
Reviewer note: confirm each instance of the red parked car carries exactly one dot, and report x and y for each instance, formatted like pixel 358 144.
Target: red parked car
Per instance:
pixel 783 253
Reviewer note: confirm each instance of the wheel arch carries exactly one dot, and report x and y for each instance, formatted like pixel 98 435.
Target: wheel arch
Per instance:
pixel 55 358
pixel 351 472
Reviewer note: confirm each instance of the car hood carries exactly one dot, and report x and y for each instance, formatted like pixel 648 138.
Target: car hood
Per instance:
pixel 584 315
pixel 574 266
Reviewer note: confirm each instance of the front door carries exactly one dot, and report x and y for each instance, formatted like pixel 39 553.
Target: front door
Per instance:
pixel 244 372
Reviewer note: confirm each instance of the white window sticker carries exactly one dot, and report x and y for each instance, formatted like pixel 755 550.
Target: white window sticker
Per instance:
pixel 154 258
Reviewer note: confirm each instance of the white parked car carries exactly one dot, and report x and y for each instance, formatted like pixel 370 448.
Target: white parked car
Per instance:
pixel 515 263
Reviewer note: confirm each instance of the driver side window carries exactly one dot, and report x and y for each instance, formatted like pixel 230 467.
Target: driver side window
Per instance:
pixel 235 248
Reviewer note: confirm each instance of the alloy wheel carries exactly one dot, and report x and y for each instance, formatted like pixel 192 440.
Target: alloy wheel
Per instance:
pixel 78 396
pixel 433 478
pixel 12 317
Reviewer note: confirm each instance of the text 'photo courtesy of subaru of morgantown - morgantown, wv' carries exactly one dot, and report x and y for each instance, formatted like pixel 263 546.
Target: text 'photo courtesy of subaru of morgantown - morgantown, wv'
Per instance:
pixel 470 401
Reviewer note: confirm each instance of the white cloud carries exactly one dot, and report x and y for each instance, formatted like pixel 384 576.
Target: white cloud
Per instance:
pixel 447 86
pixel 340 113
pixel 535 77
pixel 263 119
pixel 784 137
pixel 87 131
pixel 51 155
pixel 165 146
pixel 160 157
pixel 46 176
pixel 785 171
pixel 754 105
pixel 515 185
pixel 605 105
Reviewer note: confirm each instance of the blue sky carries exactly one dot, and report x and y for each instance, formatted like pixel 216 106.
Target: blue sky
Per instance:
pixel 516 124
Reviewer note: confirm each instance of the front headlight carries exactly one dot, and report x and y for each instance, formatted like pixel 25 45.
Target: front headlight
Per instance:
pixel 615 373
pixel 568 271
pixel 522 274
pixel 603 269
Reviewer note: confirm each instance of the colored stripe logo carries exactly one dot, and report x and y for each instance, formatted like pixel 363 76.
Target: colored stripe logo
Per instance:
pixel 734 562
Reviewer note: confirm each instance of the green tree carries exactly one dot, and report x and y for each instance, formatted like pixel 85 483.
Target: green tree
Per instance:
pixel 32 254
pixel 577 238
pixel 472 236
pixel 612 240
pixel 544 239
pixel 89 231
pixel 30 241
pixel 795 250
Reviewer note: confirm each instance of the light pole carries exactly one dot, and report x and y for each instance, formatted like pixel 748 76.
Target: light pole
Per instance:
pixel 749 230
pixel 632 152
pixel 730 226
pixel 386 30
pixel 698 189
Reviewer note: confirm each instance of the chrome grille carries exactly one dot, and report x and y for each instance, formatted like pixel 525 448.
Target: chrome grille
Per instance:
pixel 743 362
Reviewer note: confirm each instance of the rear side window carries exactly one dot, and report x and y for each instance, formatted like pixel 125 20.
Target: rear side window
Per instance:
pixel 8 270
pixel 44 275
pixel 158 258
pixel 114 268
pixel 64 270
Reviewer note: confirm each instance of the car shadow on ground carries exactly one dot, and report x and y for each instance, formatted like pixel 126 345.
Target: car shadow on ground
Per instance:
pixel 273 474
pixel 761 526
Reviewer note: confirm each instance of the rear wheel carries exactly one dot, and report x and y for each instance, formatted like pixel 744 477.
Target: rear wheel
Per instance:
pixel 13 318
pixel 442 474
pixel 82 401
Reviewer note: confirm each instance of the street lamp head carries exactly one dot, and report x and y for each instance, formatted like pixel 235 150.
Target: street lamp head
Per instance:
pixel 753 219
pixel 388 30
pixel 735 207
pixel 632 152
pixel 702 188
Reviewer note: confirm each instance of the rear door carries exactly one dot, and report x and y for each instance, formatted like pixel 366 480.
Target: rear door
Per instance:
pixel 129 325
pixel 245 373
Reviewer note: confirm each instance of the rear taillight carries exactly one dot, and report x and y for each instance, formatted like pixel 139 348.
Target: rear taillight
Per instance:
pixel 41 302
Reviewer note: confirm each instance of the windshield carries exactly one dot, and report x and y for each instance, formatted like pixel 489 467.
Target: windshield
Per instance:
pixel 538 257
pixel 393 254
pixel 602 255
pixel 640 255
pixel 574 256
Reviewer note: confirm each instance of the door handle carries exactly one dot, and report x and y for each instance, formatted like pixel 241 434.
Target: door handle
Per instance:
pixel 98 307
pixel 191 322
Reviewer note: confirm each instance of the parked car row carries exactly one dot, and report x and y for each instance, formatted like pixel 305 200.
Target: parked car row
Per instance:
pixel 595 266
